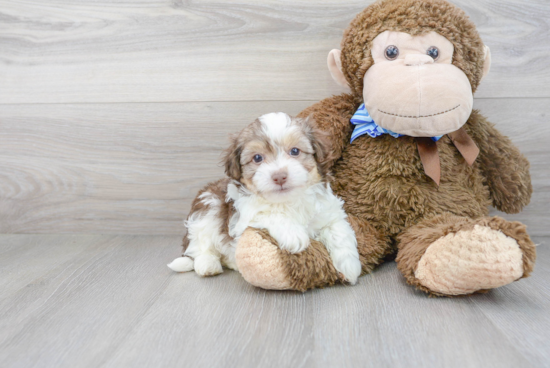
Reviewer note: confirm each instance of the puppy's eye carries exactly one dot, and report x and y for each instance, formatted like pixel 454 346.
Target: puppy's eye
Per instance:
pixel 392 52
pixel 433 52
pixel 258 158
pixel 294 152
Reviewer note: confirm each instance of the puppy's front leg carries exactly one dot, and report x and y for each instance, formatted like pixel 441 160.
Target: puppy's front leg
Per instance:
pixel 290 236
pixel 341 243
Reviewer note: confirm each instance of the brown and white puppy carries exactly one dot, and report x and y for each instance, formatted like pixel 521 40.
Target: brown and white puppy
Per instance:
pixel 277 181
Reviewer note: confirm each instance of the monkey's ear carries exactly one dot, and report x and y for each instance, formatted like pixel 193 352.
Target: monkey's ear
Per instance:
pixel 232 159
pixel 487 62
pixel 335 67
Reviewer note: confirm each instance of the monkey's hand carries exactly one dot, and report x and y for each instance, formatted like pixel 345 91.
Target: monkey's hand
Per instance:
pixel 263 263
pixel 503 165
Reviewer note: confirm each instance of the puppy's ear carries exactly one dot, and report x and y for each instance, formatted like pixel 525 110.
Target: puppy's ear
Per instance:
pixel 232 159
pixel 322 147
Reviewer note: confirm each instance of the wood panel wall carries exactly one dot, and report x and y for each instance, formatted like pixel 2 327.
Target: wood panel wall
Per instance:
pixel 114 113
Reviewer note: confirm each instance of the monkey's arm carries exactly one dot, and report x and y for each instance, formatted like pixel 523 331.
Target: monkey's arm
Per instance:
pixel 504 167
pixel 332 116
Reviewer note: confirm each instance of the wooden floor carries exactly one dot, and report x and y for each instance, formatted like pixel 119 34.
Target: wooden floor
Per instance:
pixel 110 301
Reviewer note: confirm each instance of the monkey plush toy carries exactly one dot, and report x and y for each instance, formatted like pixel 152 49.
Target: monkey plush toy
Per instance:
pixel 416 166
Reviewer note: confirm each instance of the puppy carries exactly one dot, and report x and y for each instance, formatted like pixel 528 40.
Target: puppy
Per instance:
pixel 277 169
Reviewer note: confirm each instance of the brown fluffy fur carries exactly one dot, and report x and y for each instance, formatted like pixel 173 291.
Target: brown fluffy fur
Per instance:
pixel 415 240
pixel 308 269
pixel 387 195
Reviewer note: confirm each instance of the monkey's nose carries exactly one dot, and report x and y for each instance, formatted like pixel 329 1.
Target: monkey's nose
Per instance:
pixel 279 177
pixel 418 59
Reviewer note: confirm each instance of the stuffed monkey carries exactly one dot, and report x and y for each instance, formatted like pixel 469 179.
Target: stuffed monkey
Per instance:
pixel 416 166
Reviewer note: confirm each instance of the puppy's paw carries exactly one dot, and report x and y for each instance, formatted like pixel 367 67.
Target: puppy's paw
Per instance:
pixel 208 265
pixel 181 264
pixel 349 266
pixel 294 241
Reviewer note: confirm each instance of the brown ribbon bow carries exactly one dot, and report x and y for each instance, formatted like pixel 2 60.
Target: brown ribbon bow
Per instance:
pixel 429 156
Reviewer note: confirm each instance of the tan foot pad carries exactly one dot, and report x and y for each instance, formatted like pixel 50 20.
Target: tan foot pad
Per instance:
pixel 259 262
pixel 470 260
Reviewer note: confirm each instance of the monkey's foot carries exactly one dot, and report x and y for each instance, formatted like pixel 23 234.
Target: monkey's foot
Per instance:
pixel 450 255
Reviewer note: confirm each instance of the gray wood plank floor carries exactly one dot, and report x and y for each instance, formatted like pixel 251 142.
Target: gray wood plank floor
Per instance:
pixel 110 301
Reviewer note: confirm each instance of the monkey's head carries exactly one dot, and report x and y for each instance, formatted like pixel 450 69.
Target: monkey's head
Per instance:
pixel 414 63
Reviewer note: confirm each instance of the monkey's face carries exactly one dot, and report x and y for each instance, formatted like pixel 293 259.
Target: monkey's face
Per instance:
pixel 413 89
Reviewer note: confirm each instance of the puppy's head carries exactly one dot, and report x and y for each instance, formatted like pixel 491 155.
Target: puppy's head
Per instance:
pixel 278 156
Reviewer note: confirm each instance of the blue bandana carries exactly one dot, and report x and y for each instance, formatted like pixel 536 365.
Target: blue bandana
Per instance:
pixel 365 125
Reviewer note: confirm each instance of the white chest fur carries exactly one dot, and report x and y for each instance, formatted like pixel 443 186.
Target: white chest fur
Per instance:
pixel 309 209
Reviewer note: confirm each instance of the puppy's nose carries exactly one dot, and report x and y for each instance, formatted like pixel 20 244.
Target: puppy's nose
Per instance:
pixel 279 177
pixel 418 59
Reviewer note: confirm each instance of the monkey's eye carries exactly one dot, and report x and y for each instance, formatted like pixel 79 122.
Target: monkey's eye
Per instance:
pixel 294 152
pixel 258 158
pixel 433 52
pixel 392 52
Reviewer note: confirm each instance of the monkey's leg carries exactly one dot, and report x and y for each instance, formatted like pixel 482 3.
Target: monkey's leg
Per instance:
pixel 263 264
pixel 451 255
